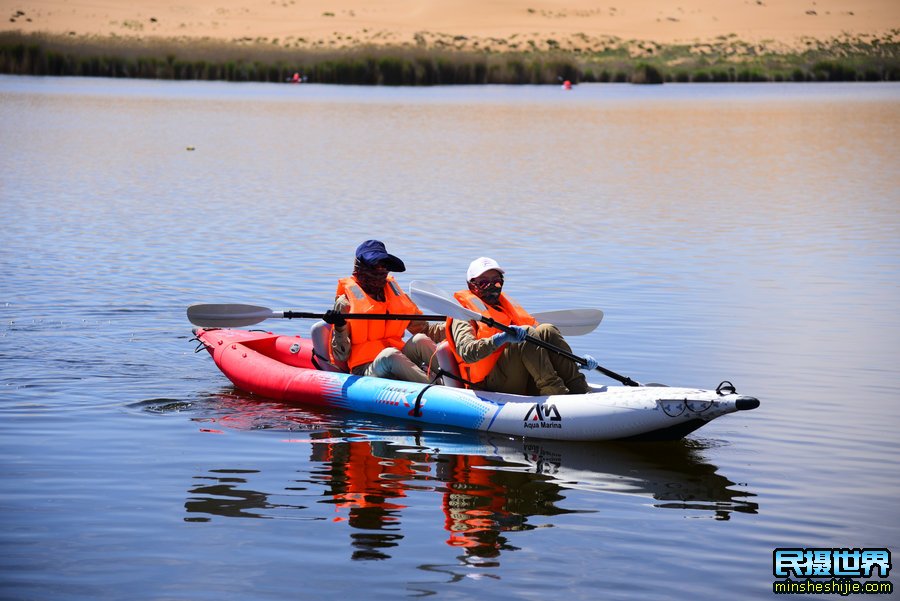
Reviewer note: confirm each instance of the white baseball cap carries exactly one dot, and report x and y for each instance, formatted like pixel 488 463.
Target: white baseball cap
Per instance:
pixel 480 265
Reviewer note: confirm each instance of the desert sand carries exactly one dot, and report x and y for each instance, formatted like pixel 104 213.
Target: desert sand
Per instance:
pixel 342 23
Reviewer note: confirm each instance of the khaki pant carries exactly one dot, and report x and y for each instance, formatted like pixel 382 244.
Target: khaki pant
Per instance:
pixel 525 368
pixel 404 365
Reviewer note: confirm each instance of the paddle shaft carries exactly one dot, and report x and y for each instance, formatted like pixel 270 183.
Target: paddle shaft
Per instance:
pixel 378 316
pixel 550 347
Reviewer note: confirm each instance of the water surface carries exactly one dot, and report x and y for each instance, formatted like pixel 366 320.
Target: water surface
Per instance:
pixel 740 232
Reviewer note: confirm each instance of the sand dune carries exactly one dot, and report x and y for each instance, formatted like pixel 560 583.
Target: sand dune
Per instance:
pixel 353 22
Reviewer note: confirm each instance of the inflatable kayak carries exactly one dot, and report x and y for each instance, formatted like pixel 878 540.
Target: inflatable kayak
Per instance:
pixel 283 368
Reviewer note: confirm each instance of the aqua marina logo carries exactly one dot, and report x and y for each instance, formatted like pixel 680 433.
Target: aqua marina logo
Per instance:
pixel 831 570
pixel 543 415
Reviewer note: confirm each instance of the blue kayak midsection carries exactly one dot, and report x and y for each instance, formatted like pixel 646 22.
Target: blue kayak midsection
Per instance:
pixel 431 403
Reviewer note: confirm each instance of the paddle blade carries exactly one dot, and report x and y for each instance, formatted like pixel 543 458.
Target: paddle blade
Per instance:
pixel 572 322
pixel 436 300
pixel 227 315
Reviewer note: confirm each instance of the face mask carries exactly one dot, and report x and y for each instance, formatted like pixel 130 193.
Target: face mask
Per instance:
pixel 487 290
pixel 372 279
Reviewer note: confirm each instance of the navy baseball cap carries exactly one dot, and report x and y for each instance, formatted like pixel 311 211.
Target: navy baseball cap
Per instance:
pixel 373 252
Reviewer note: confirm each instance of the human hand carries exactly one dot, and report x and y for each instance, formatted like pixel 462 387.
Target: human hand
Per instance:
pixel 516 334
pixel 590 363
pixel 334 318
pixel 519 333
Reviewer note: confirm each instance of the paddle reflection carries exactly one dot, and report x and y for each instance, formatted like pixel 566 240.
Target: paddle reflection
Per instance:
pixel 222 495
pixel 369 473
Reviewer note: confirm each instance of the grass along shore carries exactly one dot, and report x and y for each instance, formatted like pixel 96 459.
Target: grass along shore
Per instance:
pixel 443 60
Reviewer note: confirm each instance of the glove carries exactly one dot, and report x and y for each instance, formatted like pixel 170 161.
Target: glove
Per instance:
pixel 334 318
pixel 517 334
pixel 591 363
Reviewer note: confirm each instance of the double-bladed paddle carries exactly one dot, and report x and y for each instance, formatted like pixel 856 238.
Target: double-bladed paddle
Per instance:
pixel 571 322
pixel 232 315
pixel 434 299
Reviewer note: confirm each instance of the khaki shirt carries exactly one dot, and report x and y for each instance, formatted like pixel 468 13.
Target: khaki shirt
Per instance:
pixel 340 337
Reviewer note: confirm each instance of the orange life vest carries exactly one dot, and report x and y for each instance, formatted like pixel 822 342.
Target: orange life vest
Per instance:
pixel 368 337
pixel 509 313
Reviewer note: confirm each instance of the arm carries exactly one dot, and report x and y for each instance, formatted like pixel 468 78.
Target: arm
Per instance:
pixel 340 336
pixel 470 348
pixel 435 331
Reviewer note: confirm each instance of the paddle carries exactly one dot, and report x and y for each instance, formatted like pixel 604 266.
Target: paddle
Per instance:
pixel 433 298
pixel 571 322
pixel 235 315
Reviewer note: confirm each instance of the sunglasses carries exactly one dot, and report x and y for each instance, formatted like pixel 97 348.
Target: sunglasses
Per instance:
pixel 378 267
pixel 484 284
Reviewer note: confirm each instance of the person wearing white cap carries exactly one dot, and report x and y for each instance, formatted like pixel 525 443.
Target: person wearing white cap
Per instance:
pixel 494 360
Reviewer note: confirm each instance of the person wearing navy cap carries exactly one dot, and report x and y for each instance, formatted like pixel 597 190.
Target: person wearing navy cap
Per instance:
pixel 376 347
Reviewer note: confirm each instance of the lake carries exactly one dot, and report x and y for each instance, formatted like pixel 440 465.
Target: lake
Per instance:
pixel 742 232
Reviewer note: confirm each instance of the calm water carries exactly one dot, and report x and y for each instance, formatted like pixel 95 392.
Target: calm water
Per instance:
pixel 740 232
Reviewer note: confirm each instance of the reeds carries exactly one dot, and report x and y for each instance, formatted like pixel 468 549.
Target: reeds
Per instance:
pixel 727 60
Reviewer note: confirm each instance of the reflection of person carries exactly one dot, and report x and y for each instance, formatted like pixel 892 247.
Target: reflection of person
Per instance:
pixel 376 347
pixel 370 479
pixel 365 485
pixel 475 506
pixel 501 361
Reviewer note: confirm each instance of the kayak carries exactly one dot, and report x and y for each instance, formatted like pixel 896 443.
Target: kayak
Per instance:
pixel 283 368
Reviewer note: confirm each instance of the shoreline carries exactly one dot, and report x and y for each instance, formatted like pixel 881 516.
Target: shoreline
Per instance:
pixel 727 59
pixel 514 25
pixel 435 42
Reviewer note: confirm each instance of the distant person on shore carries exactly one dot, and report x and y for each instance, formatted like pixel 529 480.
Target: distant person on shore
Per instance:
pixel 505 362
pixel 376 347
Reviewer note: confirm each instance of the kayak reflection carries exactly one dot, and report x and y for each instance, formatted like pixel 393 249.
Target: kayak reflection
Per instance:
pixel 365 471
